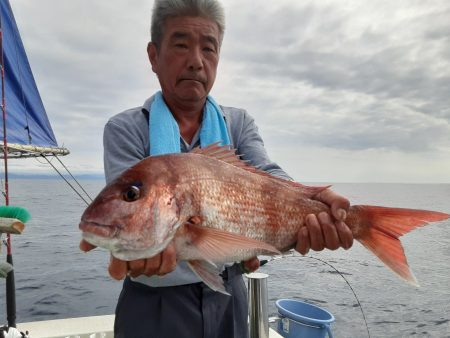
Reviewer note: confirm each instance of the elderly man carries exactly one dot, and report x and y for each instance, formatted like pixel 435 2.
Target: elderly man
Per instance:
pixel 184 54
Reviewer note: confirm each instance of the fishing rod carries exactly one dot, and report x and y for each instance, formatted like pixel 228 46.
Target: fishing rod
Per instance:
pixel 292 254
pixel 10 281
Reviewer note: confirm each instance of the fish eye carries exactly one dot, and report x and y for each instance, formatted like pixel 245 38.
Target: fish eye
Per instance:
pixel 132 194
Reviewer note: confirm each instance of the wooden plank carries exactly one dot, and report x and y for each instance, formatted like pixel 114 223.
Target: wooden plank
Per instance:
pixel 11 225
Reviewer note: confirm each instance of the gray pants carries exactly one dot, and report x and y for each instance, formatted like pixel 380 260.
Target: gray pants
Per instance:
pixel 185 311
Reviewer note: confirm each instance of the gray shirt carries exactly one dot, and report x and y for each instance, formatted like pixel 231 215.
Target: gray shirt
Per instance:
pixel 126 142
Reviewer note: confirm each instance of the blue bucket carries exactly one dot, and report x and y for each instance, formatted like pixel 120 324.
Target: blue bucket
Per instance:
pixel 299 319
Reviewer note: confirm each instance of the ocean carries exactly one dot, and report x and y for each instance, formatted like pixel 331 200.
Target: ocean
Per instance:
pixel 55 280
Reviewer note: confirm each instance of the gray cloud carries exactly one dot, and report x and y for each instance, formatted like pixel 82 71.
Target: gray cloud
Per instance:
pixel 393 61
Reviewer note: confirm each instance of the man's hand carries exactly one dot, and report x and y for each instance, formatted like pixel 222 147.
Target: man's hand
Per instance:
pixel 324 230
pixel 160 264
pixel 250 265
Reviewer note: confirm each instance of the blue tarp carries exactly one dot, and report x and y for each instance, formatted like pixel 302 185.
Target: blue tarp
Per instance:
pixel 26 120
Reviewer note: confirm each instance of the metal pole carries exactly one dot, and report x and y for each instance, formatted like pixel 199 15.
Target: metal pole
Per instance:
pixel 258 305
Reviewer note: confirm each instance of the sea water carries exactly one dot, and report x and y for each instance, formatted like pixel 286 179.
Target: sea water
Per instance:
pixel 55 280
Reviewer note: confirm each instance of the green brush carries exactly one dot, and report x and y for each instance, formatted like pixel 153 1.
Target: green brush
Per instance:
pixel 10 211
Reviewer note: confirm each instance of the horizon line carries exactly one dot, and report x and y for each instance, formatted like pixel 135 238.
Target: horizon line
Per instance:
pixel 99 176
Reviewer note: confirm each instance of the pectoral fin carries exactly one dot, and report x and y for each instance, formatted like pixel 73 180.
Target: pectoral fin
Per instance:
pixel 202 247
pixel 220 246
pixel 209 274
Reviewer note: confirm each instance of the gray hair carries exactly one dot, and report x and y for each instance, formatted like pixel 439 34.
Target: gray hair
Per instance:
pixel 165 9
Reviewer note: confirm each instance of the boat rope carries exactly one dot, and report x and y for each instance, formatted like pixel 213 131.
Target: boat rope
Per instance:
pixel 65 179
pixel 292 254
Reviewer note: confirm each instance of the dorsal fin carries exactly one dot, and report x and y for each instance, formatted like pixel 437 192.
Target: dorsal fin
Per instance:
pixel 228 155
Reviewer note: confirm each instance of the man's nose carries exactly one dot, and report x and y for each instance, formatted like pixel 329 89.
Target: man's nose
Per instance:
pixel 195 61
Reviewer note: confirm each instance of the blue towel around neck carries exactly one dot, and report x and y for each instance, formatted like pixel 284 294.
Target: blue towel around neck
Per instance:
pixel 165 133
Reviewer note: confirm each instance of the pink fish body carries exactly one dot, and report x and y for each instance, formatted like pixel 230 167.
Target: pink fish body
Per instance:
pixel 217 209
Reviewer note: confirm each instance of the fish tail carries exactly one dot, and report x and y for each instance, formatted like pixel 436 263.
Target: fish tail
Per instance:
pixel 379 229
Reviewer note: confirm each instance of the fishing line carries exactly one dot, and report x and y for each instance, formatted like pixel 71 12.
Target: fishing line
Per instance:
pixel 67 169
pixel 65 179
pixel 292 254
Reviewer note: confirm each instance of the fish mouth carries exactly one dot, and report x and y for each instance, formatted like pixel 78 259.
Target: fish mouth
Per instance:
pixel 102 230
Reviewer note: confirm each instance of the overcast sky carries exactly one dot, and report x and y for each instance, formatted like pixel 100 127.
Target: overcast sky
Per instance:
pixel 342 91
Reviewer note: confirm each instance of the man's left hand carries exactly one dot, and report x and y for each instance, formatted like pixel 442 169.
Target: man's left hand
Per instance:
pixel 325 231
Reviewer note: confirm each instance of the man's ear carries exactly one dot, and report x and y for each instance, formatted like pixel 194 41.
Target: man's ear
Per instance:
pixel 152 53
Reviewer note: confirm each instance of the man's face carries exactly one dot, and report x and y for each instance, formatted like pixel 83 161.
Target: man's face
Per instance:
pixel 186 62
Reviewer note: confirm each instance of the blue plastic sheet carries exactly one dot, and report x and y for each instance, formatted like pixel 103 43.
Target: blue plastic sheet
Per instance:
pixel 27 122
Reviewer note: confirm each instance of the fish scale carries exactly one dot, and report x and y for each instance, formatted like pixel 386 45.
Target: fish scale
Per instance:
pixel 238 205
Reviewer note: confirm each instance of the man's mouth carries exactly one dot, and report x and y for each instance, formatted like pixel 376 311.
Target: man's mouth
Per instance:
pixel 193 79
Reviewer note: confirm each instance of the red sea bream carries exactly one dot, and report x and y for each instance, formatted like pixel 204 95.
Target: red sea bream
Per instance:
pixel 218 209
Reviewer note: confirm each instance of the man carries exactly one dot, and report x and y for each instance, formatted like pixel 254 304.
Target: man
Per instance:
pixel 184 54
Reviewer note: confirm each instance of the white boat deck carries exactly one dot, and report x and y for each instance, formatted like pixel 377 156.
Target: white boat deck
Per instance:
pixel 82 327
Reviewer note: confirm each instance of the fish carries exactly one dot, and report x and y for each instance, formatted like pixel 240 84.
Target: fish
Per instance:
pixel 217 208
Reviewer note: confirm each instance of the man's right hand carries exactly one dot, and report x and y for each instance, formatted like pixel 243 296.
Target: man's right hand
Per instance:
pixel 161 264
